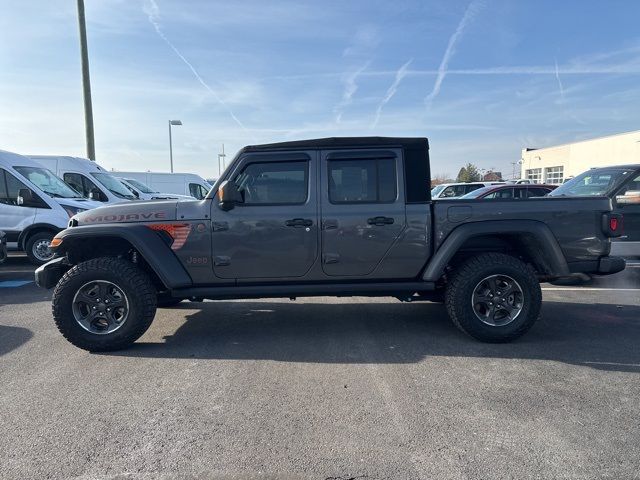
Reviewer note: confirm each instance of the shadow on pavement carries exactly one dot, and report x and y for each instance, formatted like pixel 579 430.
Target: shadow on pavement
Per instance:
pixel 601 336
pixel 12 338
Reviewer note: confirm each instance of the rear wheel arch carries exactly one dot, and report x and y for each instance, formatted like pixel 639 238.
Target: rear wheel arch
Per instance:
pixel 530 240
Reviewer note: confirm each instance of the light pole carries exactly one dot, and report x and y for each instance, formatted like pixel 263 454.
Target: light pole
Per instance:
pixel 86 84
pixel 221 157
pixel 172 122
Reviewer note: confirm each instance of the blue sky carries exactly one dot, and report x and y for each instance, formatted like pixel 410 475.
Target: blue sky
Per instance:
pixel 482 79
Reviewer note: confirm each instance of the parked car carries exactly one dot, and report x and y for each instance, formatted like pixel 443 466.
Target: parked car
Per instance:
pixel 335 216
pixel 622 185
pixel 86 177
pixel 3 246
pixel 455 190
pixel 143 192
pixel 179 183
pixel 509 191
pixel 34 205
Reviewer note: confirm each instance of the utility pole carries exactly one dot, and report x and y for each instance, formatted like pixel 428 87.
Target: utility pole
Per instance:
pixel 86 84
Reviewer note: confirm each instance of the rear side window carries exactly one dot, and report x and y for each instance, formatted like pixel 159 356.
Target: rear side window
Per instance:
pixel 471 188
pixel 274 183
pixel 363 181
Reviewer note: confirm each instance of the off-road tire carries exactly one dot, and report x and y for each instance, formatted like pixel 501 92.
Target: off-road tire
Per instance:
pixel 459 293
pixel 32 241
pixel 136 285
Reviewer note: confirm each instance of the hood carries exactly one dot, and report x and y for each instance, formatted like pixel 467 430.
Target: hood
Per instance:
pixel 129 212
pixel 83 203
pixel 171 196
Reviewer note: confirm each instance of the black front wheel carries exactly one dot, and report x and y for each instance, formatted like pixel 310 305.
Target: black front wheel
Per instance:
pixel 494 297
pixel 104 304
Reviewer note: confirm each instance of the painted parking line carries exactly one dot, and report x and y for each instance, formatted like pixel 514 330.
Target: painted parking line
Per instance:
pixel 14 283
pixel 583 289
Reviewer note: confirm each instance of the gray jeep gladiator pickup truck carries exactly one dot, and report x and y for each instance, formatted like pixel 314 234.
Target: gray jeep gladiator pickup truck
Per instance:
pixel 334 216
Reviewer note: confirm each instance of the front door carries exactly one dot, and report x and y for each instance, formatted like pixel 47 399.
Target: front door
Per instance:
pixel 363 209
pixel 273 233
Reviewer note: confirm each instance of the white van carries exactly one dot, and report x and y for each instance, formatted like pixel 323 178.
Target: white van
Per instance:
pixel 143 192
pixel 179 183
pixel 87 177
pixel 34 205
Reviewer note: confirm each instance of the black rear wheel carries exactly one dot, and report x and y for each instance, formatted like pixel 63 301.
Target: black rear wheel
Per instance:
pixel 104 304
pixel 494 297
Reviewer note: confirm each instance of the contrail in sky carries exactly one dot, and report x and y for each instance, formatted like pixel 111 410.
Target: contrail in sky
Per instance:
pixel 400 74
pixel 350 88
pixel 559 81
pixel 153 12
pixel 469 14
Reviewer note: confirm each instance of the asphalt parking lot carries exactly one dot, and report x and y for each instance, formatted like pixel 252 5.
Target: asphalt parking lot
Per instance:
pixel 324 388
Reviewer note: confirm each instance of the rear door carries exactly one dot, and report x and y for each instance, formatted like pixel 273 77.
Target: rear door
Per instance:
pixel 273 234
pixel 363 208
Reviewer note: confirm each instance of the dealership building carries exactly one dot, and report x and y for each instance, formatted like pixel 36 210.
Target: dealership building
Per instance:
pixel 554 165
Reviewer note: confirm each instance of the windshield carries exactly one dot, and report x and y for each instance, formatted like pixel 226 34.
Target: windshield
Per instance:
pixel 113 185
pixel 46 181
pixel 436 190
pixel 140 186
pixel 597 182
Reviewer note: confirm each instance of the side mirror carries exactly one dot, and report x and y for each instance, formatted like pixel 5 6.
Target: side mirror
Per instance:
pixel 25 197
pixel 228 195
pixel 632 197
pixel 96 195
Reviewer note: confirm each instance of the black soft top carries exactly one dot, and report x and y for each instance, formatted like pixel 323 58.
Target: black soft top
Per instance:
pixel 343 142
pixel 417 175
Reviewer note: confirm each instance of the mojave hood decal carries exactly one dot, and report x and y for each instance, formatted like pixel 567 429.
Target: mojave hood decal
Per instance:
pixel 152 211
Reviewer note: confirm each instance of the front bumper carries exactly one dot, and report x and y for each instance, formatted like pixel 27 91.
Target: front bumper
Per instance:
pixel 48 275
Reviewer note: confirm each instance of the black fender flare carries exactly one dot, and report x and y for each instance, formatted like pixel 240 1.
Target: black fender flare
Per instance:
pixel 35 226
pixel 147 242
pixel 554 257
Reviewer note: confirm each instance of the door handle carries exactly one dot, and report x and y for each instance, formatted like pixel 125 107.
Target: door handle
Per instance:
pixel 299 222
pixel 380 221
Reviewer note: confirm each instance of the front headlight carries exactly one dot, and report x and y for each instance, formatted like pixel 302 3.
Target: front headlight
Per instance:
pixel 71 211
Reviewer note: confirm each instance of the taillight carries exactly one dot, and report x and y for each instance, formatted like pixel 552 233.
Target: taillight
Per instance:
pixel 178 232
pixel 613 224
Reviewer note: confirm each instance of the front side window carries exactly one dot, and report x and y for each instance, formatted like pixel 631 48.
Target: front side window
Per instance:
pixel 46 181
pixel 362 181
pixel 10 189
pixel 274 183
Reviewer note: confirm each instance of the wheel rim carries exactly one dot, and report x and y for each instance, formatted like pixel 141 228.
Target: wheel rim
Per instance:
pixel 100 307
pixel 497 300
pixel 41 250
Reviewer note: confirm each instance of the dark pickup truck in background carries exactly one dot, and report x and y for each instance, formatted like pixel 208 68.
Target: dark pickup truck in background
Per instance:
pixel 335 216
pixel 622 185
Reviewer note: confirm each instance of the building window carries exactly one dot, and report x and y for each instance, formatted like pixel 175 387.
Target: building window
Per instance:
pixel 534 175
pixel 554 175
